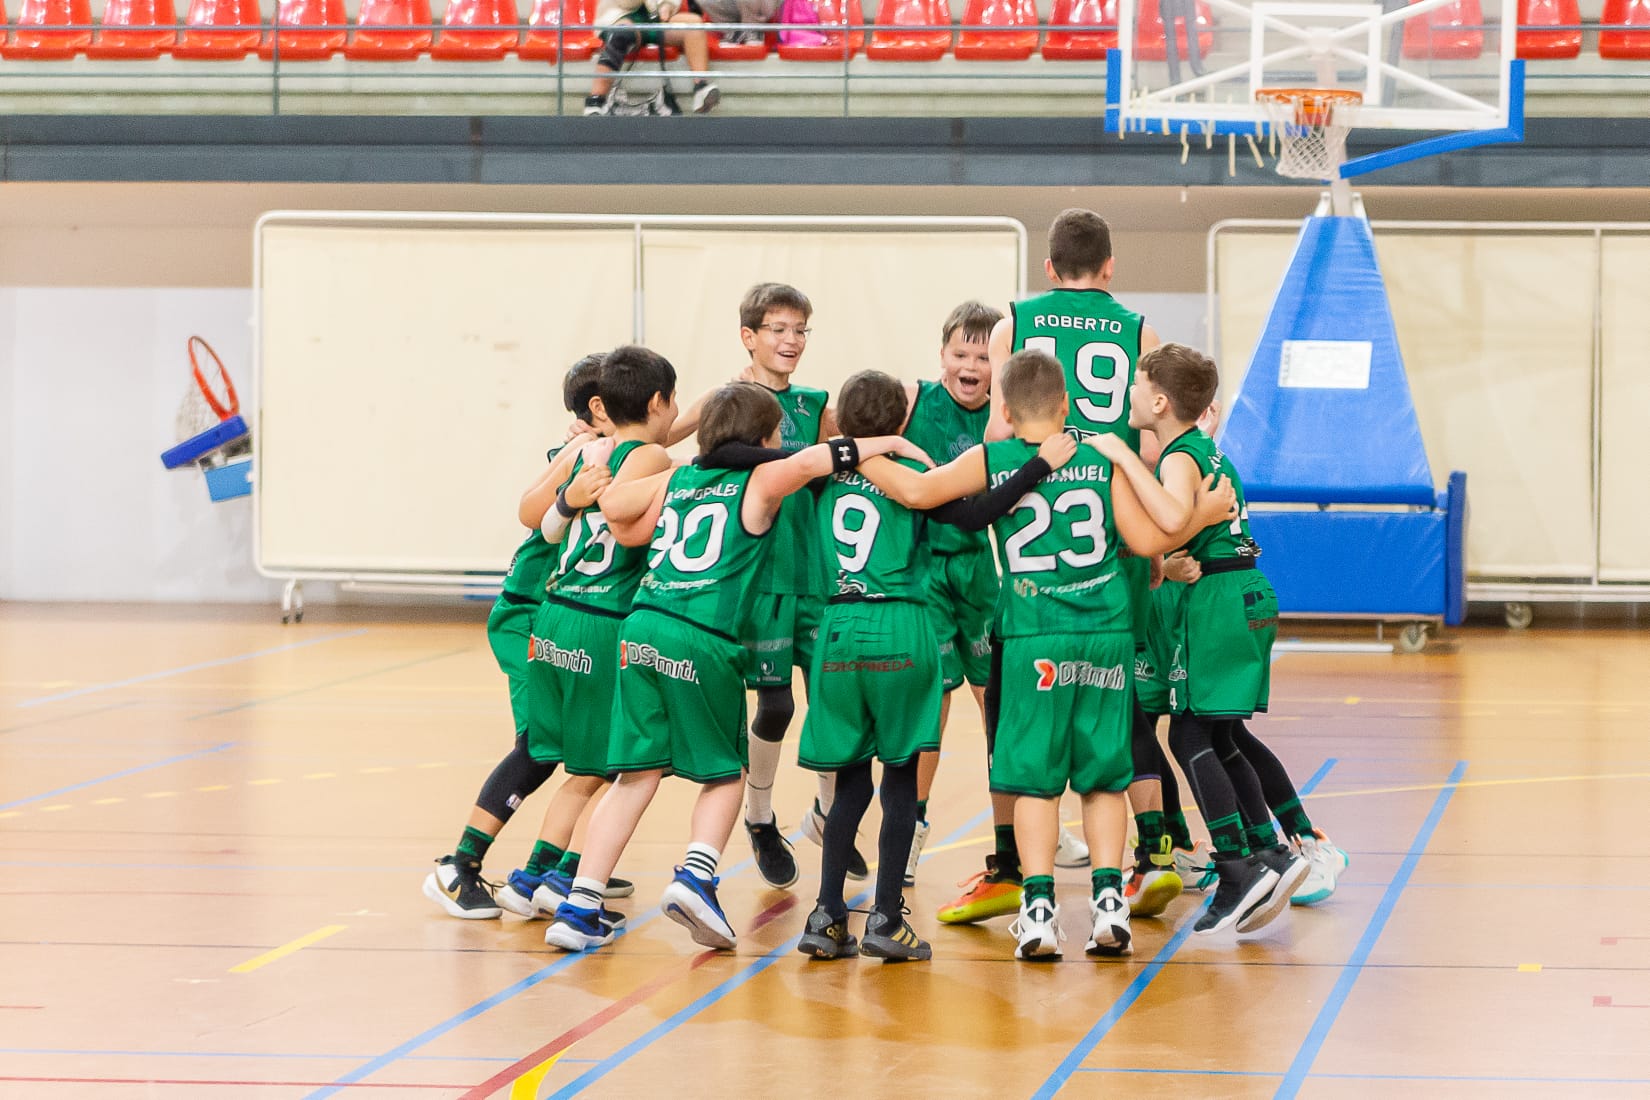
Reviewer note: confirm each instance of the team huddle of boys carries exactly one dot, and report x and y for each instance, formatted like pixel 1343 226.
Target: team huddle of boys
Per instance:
pixel 849 542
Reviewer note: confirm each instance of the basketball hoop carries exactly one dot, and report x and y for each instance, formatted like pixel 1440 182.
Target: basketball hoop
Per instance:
pixel 210 397
pixel 1310 126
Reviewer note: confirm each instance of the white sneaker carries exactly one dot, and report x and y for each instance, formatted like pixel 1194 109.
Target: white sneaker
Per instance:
pixel 918 839
pixel 1326 862
pixel 705 96
pixel 1072 852
pixel 1111 937
pixel 460 890
pixel 1196 868
pixel 1038 931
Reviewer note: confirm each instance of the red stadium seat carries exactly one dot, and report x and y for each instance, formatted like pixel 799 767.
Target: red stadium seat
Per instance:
pixel 472 44
pixel 1149 39
pixel 372 44
pixel 218 30
pixel 1549 45
pixel 541 42
pixel 307 45
pixel 29 40
pixel 135 30
pixel 1062 45
pixel 1627 45
pixel 910 45
pixel 1014 44
pixel 838 44
pixel 1454 32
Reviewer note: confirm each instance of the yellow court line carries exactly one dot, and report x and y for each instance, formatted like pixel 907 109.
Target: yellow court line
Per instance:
pixel 286 949
pixel 322 775
pixel 261 782
pixel 1529 968
pixel 214 787
pixel 526 1087
pixel 1480 783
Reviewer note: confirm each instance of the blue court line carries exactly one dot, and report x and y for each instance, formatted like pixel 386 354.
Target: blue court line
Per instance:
pixel 117 775
pixel 429 1035
pixel 624 1054
pixel 1308 1053
pixel 42 700
pixel 1137 988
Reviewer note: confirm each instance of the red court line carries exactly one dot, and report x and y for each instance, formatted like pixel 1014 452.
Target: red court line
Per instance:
pixel 221 1084
pixel 615 1010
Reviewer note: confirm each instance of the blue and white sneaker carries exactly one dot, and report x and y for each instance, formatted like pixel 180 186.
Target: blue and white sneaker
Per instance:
pixel 517 892
pixel 691 903
pixel 576 929
pixel 553 888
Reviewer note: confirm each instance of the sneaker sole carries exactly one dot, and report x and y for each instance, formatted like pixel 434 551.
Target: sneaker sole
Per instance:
pixel 895 952
pixel 1155 898
pixel 1313 898
pixel 433 891
pixel 1049 954
pixel 508 898
pixel 711 101
pixel 1270 907
pixel 571 939
pixel 687 909
pixel 823 947
pixel 974 912
pixel 1259 892
pixel 623 889
pixel 1116 950
pixel 551 901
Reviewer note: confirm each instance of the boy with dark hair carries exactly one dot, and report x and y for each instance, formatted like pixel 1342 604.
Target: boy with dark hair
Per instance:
pixel 680 707
pixel 456 885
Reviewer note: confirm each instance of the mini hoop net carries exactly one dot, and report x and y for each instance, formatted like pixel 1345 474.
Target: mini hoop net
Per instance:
pixel 211 396
pixel 1310 127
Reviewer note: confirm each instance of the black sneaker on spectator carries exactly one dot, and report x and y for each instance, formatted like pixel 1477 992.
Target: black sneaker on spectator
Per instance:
pixel 595 105
pixel 705 96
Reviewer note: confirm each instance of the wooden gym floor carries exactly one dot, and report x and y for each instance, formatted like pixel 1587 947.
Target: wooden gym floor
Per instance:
pixel 213 830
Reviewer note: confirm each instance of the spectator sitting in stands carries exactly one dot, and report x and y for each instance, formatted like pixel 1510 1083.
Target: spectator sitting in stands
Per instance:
pixel 626 35
pixel 739 11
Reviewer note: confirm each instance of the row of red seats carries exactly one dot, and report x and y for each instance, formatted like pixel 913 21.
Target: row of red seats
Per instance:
pixel 484 30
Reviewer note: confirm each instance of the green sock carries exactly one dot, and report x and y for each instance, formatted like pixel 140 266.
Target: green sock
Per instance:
pixel 1226 836
pixel 1041 886
pixel 473 845
pixel 569 864
pixel 1150 827
pixel 1260 836
pixel 1102 878
pixel 1293 818
pixel 1179 832
pixel 922 809
pixel 1008 856
pixel 544 858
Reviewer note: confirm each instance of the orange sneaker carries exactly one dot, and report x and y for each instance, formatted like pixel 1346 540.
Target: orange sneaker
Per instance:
pixel 991 893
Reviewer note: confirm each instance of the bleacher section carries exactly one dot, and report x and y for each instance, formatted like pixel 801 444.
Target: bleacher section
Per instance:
pixel 971 57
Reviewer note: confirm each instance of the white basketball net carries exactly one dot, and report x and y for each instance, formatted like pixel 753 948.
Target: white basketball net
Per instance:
pixel 194 415
pixel 1310 134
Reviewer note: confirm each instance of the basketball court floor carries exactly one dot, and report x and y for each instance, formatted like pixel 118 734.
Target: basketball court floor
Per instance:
pixel 213 830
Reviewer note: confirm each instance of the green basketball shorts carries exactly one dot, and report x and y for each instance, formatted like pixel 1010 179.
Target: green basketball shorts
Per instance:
pixel 1137 572
pixel 1067 707
pixel 1230 623
pixel 780 632
pixel 571 679
pixel 681 702
pixel 875 687
pixel 508 627
pixel 961 595
pixel 1152 664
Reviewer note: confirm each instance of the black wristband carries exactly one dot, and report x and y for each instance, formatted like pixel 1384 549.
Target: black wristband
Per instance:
pixel 844 453
pixel 564 509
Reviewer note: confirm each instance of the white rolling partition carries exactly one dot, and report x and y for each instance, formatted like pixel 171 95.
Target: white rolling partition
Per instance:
pixel 409 366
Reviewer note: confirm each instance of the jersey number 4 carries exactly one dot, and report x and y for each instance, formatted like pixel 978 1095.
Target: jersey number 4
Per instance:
pixel 1089 525
pixel 1102 370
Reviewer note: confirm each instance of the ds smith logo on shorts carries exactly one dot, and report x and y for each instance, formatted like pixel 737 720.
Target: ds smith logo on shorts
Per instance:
pixel 632 653
pixel 1080 673
pixel 573 660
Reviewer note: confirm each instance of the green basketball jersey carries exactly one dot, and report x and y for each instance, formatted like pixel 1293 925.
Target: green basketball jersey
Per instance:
pixel 530 566
pixel 795 569
pixel 1218 540
pixel 873 546
pixel 945 430
pixel 1058 548
pixel 1097 341
pixel 594 571
pixel 703 565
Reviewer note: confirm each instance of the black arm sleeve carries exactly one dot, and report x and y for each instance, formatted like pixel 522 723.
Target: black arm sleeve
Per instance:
pixel 740 456
pixel 978 512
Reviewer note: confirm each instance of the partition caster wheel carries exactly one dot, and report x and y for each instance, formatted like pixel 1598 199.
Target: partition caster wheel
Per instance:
pixel 1519 615
pixel 1413 638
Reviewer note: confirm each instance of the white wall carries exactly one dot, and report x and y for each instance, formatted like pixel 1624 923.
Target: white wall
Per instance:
pixel 95 379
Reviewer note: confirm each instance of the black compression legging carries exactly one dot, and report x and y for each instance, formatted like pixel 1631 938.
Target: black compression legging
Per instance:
pixel 899 823
pixel 1274 779
pixel 1192 740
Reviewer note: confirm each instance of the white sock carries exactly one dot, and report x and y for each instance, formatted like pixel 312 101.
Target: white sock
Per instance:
pixel 827 792
pixel 701 861
pixel 586 893
pixel 764 766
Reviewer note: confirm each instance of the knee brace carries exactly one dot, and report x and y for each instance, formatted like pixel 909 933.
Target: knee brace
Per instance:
pixel 516 777
pixel 1143 746
pixel 774 710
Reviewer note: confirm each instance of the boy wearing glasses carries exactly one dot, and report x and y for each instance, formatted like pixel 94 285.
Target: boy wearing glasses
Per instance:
pixel 783 621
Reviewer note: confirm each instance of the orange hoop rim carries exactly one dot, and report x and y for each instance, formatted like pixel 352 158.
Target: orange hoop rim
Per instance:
pixel 231 403
pixel 1313 106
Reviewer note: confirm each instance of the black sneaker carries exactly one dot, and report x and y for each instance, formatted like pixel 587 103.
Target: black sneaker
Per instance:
pixel 595 105
pixel 774 859
pixel 1244 883
pixel 891 939
pixel 459 890
pixel 1290 868
pixel 827 937
pixel 618 888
